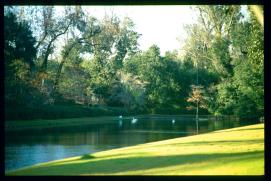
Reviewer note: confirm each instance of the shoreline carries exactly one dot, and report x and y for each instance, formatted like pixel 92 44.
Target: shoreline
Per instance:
pixel 21 125
pixel 240 151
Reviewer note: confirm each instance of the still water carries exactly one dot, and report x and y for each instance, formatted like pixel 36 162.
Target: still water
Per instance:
pixel 26 148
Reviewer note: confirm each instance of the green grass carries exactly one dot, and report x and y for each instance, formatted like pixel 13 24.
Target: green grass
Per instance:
pixel 238 151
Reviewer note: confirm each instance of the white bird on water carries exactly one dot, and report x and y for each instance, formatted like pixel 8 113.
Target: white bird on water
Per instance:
pixel 134 120
pixel 120 116
pixel 173 121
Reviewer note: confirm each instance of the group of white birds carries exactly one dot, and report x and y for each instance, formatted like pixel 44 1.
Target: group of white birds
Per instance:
pixel 135 120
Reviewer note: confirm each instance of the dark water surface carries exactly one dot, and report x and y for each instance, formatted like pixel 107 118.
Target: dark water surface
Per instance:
pixel 25 148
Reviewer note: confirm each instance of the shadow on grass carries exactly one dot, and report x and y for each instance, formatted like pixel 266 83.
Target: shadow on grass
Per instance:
pixel 87 157
pixel 230 142
pixel 117 165
pixel 241 129
pixel 91 157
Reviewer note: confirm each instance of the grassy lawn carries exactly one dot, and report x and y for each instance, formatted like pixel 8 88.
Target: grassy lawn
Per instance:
pixel 238 151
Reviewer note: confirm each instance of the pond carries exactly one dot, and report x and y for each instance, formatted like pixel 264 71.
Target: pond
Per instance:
pixel 25 148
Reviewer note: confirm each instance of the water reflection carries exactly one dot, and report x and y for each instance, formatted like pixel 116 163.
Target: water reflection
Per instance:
pixel 120 123
pixel 31 147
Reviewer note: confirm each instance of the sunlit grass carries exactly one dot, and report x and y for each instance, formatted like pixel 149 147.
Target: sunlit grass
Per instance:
pixel 238 151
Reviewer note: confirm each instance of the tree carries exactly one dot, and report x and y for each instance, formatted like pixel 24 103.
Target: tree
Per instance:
pixel 53 27
pixel 241 92
pixel 219 19
pixel 159 74
pixel 78 45
pixel 130 92
pixel 209 39
pixel 19 57
pixel 19 42
pixel 258 13
pixel 227 46
pixel 115 40
pixel 198 100
pixel 126 43
pixel 249 76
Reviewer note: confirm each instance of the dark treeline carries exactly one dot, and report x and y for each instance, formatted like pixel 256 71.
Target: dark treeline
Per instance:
pixel 73 65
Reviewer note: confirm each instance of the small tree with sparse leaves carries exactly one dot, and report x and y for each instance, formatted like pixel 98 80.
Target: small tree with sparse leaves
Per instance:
pixel 196 99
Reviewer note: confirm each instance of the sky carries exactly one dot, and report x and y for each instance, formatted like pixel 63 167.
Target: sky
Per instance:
pixel 160 25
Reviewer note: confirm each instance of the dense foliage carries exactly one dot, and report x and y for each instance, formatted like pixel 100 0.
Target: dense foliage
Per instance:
pixel 98 65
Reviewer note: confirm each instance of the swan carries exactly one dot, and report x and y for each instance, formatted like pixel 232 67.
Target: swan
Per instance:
pixel 134 120
pixel 173 121
pixel 120 116
pixel 120 123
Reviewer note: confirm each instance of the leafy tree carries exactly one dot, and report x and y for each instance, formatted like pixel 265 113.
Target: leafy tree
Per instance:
pixel 249 73
pixel 19 42
pixel 241 93
pixel 110 47
pixel 19 57
pixel 126 43
pixel 130 92
pixel 209 39
pixel 159 75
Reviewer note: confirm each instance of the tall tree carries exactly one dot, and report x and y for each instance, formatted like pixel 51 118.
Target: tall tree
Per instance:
pixel 209 39
pixel 19 42
pixel 19 57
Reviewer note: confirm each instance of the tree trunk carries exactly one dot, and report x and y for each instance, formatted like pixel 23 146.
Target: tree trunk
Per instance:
pixel 47 53
pixel 197 117
pixel 57 78
pixel 58 74
pixel 257 10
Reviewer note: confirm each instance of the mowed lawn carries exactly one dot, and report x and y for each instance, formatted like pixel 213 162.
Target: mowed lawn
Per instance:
pixel 238 151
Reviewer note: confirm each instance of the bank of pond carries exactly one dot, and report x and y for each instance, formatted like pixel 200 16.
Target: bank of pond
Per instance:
pixel 236 151
pixel 32 142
